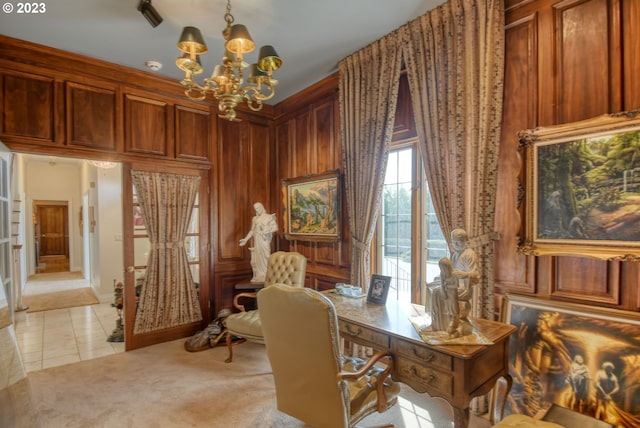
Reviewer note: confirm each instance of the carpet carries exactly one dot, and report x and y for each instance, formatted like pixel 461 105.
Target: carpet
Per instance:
pixel 60 299
pixel 165 386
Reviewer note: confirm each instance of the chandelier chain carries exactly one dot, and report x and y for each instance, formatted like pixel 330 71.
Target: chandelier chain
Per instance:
pixel 228 17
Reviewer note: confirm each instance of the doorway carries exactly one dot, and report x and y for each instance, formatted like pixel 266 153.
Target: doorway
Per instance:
pixel 71 211
pixel 51 236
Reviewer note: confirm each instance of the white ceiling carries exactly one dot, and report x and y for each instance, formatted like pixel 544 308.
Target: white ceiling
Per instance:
pixel 311 36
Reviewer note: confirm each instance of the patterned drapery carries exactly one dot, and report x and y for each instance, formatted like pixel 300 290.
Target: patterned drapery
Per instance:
pixel 455 60
pixel 168 297
pixel 369 81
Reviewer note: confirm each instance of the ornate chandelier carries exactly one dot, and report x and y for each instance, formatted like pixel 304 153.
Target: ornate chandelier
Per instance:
pixel 226 82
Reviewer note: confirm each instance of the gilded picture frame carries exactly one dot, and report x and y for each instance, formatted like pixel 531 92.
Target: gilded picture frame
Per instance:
pixel 559 354
pixel 311 206
pixel 582 188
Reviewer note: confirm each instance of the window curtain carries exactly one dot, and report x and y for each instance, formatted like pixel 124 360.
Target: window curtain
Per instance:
pixel 454 58
pixel 168 297
pixel 368 92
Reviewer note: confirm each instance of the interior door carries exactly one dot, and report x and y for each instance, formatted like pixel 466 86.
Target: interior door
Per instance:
pixel 136 246
pixel 53 230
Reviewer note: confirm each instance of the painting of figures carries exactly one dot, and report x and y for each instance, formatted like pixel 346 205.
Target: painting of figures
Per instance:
pixel 579 357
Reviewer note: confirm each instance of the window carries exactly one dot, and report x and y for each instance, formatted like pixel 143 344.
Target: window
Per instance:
pixel 410 241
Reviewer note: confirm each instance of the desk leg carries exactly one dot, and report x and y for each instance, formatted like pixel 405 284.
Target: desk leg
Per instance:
pixel 460 417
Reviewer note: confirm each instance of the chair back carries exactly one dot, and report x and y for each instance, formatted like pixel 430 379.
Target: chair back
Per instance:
pixel 286 268
pixel 300 328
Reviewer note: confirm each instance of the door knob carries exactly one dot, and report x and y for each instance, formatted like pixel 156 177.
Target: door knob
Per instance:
pixel 131 269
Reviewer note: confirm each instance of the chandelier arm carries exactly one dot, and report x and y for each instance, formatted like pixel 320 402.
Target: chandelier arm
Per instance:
pixel 258 95
pixel 192 89
pixel 254 104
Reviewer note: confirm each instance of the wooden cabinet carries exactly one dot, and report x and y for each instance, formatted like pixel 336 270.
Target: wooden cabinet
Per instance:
pixel 83 115
pixel 166 127
pixel 28 107
pixel 193 133
pixel 147 124
pixel 91 116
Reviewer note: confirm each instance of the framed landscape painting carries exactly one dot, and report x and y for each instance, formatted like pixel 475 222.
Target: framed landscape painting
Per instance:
pixel 579 357
pixel 312 207
pixel 582 190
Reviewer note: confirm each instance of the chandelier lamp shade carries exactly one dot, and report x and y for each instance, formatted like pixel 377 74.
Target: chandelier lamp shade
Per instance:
pixel 226 83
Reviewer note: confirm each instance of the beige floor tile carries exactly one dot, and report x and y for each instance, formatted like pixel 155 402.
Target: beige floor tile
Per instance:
pixel 30 357
pixel 87 354
pixel 60 361
pixel 33 366
pixel 59 352
pixel 62 336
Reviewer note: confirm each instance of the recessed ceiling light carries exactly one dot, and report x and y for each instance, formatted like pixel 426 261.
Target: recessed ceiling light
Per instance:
pixel 153 65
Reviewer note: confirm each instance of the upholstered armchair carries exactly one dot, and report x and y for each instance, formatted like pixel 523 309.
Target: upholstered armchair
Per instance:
pixel 314 382
pixel 282 268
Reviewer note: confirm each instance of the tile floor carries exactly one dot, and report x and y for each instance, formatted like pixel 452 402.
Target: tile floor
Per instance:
pixel 62 336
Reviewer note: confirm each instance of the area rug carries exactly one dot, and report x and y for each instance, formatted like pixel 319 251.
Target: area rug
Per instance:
pixel 165 386
pixel 60 299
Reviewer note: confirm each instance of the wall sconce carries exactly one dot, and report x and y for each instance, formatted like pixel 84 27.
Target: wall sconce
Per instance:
pixel 148 11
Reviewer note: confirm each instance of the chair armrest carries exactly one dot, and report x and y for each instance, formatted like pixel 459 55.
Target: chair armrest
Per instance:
pixel 380 356
pixel 236 303
pixel 499 398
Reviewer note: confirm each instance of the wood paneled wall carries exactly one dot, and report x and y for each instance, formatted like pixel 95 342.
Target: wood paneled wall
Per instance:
pixel 243 173
pixel 561 66
pixel 565 61
pixel 307 138
pixel 55 102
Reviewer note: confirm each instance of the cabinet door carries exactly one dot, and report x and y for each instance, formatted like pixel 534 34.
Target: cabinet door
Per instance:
pixel 27 107
pixel 91 116
pixel 149 125
pixel 193 133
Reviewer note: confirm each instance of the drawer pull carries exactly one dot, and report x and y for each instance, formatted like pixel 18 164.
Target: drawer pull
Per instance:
pixel 427 379
pixel 426 359
pixel 353 332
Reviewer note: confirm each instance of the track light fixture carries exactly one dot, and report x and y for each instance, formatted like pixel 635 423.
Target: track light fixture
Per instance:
pixel 148 11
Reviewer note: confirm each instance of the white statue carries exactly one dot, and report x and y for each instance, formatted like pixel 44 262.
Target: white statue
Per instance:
pixel 445 310
pixel 465 267
pixel 263 226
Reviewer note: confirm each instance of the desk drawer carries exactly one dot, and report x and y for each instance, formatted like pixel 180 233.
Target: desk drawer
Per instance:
pixel 424 355
pixel 434 381
pixel 362 335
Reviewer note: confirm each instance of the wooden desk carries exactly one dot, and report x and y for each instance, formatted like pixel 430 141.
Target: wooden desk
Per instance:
pixel 456 373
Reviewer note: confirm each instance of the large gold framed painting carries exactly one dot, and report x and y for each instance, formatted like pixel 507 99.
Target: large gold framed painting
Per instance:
pixel 311 206
pixel 580 357
pixel 582 188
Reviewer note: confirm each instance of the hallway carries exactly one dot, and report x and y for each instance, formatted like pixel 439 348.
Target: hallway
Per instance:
pixel 63 336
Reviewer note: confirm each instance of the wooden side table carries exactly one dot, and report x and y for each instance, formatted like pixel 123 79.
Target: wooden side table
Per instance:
pixel 248 287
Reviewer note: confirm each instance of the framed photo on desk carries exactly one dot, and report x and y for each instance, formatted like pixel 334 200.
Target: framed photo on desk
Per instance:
pixel 378 289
